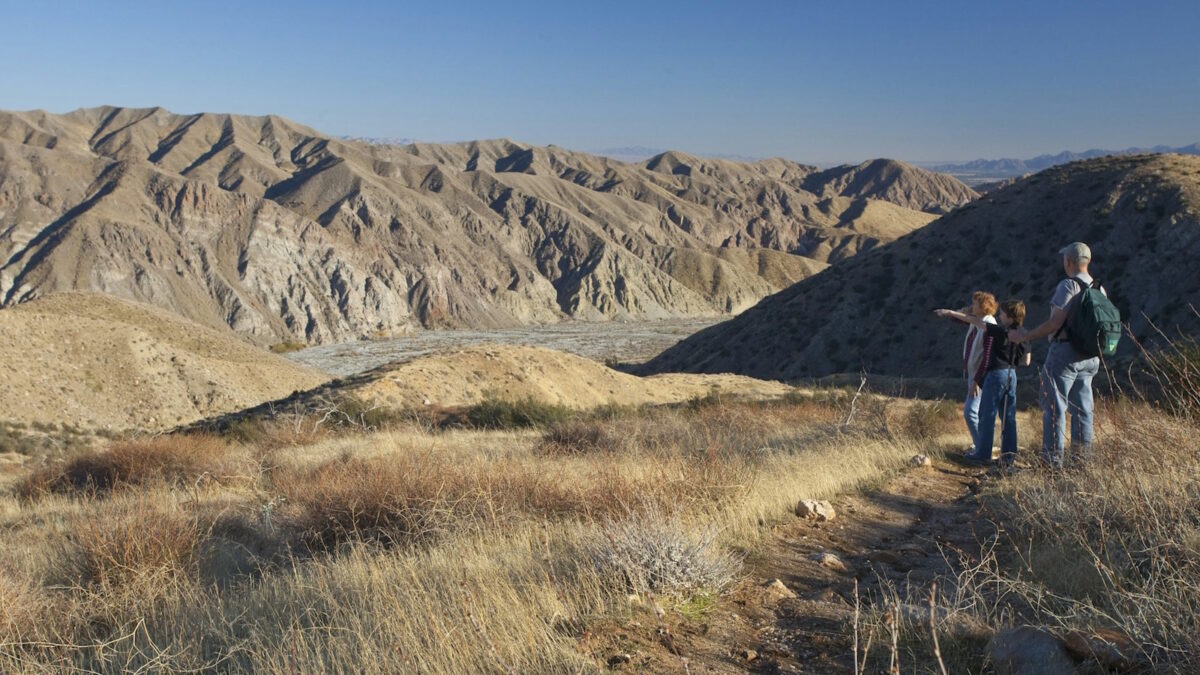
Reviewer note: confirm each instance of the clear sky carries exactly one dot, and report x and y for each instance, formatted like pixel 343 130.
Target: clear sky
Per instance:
pixel 813 81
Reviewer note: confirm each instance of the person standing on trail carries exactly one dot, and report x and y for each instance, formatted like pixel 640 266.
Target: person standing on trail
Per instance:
pixel 1067 373
pixel 983 306
pixel 996 380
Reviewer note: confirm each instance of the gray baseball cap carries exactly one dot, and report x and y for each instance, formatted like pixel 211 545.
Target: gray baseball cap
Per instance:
pixel 1077 251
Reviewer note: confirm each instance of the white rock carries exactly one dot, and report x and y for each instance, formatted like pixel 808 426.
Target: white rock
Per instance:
pixel 829 561
pixel 1029 651
pixel 819 510
pixel 775 590
pixel 921 461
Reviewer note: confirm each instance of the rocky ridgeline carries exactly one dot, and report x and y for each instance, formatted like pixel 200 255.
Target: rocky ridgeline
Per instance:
pixel 283 233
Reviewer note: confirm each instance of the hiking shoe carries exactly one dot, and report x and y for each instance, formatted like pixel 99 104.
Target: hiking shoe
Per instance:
pixel 973 458
pixel 1002 470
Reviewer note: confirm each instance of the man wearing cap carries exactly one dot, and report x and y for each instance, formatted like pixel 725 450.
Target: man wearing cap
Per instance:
pixel 1066 374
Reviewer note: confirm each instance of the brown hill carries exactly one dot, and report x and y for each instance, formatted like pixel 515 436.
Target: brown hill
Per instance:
pixel 892 181
pixel 94 361
pixel 280 232
pixel 463 377
pixel 1141 215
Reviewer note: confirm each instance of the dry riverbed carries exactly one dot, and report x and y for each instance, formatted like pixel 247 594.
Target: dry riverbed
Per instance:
pixel 601 341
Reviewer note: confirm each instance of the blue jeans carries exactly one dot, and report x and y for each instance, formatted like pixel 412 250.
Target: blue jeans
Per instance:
pixel 999 395
pixel 1067 385
pixel 971 415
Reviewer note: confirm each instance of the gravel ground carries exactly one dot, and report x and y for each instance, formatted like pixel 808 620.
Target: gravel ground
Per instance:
pixel 624 342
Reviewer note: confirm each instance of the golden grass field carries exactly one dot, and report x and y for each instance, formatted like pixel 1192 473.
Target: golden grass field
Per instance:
pixel 423 548
pixel 408 549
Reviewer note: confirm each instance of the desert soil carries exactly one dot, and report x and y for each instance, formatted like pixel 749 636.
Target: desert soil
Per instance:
pixel 899 535
pixel 93 361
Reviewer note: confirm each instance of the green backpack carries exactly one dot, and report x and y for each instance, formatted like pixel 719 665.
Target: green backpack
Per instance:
pixel 1093 323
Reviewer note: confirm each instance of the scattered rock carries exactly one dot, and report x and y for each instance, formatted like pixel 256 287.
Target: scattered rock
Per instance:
pixel 775 590
pixel 813 509
pixel 1110 649
pixel 921 461
pixel 829 561
pixel 1029 651
pixel 619 659
pixel 748 654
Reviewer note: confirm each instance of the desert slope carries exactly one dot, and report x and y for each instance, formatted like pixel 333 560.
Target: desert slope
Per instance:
pixel 462 377
pixel 95 361
pixel 280 232
pixel 1140 214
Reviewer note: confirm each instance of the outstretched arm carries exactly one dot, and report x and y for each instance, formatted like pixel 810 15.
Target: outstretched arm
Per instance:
pixel 959 316
pixel 1048 327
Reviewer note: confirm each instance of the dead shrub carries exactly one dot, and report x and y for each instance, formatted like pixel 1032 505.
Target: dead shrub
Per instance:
pixel 134 541
pixel 1172 376
pixel 651 552
pixel 585 437
pixel 398 502
pixel 1124 523
pixel 180 459
pixel 25 611
pixel 927 421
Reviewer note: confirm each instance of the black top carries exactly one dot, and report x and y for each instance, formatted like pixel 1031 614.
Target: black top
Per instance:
pixel 1005 354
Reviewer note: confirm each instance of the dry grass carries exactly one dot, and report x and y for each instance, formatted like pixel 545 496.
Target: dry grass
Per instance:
pixel 1114 543
pixel 1111 546
pixel 174 459
pixel 358 552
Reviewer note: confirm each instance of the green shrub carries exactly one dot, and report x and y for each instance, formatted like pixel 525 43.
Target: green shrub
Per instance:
pixel 287 346
pixel 249 430
pixel 927 420
pixel 494 413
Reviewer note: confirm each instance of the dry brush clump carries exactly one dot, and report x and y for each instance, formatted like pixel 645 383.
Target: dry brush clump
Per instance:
pixel 1114 543
pixel 653 552
pixel 929 420
pixel 179 460
pixel 133 541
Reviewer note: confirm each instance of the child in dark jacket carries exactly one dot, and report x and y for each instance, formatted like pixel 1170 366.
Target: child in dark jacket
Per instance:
pixel 997 379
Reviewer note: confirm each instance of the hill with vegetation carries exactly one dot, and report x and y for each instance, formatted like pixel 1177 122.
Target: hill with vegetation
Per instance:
pixel 1140 214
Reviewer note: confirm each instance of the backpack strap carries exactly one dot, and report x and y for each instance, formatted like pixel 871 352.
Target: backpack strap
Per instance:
pixel 1083 286
pixel 1061 334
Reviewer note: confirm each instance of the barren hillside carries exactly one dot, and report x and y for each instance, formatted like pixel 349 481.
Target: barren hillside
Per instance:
pixel 461 377
pixel 1140 214
pixel 94 361
pixel 280 232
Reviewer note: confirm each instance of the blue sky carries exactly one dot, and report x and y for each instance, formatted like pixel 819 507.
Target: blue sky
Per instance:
pixel 816 82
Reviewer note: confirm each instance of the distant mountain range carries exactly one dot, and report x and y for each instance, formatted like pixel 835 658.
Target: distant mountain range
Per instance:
pixel 283 233
pixel 987 170
pixel 636 154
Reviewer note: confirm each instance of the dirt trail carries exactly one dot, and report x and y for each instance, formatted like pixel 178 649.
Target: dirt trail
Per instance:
pixel 895 534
